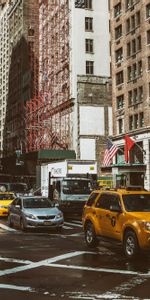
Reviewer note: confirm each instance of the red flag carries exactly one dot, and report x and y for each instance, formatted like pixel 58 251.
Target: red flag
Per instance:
pixel 128 145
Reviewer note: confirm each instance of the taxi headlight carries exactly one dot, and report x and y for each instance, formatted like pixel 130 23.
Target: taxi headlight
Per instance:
pixel 146 225
pixel 2 206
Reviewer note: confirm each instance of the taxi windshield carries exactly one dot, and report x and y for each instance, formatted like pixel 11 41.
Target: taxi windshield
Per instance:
pixel 6 197
pixel 137 202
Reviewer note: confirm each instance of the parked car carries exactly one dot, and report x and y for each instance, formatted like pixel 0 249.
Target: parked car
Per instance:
pixel 34 212
pixel 5 199
pixel 122 215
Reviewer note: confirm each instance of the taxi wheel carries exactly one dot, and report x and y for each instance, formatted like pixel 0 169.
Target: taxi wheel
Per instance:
pixel 130 244
pixel 90 236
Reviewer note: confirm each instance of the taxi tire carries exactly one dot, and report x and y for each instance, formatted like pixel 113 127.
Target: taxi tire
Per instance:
pixel 130 244
pixel 90 236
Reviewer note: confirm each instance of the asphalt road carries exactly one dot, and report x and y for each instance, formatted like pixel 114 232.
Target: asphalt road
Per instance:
pixel 40 265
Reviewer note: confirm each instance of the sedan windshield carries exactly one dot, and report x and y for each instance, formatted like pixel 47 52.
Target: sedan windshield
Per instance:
pixel 36 203
pixel 137 202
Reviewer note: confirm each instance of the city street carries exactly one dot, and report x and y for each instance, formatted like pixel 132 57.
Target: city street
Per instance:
pixel 47 265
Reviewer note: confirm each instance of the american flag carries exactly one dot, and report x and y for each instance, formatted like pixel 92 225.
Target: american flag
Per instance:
pixel 110 151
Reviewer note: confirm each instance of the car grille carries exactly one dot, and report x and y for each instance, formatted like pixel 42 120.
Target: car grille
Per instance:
pixel 46 217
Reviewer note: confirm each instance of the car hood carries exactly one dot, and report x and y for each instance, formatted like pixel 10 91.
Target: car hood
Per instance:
pixel 42 211
pixel 5 202
pixel 143 216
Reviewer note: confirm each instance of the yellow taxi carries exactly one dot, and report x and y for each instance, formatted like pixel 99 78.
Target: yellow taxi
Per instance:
pixel 5 199
pixel 120 215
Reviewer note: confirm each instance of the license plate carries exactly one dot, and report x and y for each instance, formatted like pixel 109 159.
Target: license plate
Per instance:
pixel 47 223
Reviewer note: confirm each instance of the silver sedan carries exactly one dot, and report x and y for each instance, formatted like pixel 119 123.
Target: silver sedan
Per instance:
pixel 34 212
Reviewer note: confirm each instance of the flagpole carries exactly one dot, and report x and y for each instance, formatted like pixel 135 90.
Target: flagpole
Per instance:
pixel 140 148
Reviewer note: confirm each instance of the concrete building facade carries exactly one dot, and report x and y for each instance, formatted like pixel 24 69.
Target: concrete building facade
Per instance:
pixel 130 53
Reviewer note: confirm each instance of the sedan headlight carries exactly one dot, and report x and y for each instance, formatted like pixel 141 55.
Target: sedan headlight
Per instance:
pixel 30 216
pixel 146 225
pixel 59 216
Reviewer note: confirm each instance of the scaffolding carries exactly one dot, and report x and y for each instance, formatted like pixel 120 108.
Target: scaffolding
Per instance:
pixel 48 113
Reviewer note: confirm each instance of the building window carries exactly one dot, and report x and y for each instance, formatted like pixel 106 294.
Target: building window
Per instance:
pixel 129 3
pixel 148 63
pixel 119 55
pixel 118 32
pixel 135 96
pixel 140 68
pixel 134 71
pixel 119 78
pixel 88 4
pixel 130 98
pixel 89 46
pixel 117 10
pixel 138 18
pixel 120 101
pixel 89 24
pixel 139 43
pixel 136 121
pixel 148 37
pixel 120 126
pixel 127 25
pixel 133 46
pixel 128 49
pixel 140 94
pixel 133 22
pixel 148 10
pixel 131 123
pixel 89 67
pixel 129 72
pixel 141 119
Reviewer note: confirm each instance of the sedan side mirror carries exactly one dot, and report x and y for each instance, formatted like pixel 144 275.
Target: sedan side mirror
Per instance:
pixel 17 206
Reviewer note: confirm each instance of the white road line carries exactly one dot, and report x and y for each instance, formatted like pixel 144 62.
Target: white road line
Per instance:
pixel 67 227
pixel 15 287
pixel 13 260
pixel 88 296
pixel 73 224
pixel 6 227
pixel 104 270
pixel 42 263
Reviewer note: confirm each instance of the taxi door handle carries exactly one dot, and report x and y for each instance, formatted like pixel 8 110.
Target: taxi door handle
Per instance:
pixel 107 215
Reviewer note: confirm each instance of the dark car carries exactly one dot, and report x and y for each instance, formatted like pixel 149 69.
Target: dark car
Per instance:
pixel 34 212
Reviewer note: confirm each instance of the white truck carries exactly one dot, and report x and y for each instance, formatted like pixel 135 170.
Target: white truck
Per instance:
pixel 69 183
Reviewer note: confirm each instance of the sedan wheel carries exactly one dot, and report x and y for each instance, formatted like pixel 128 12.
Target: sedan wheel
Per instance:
pixel 22 225
pixel 90 236
pixel 10 223
pixel 130 244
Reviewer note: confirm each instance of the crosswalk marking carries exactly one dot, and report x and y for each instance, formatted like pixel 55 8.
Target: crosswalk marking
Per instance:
pixel 67 225
pixel 74 224
pixel 6 227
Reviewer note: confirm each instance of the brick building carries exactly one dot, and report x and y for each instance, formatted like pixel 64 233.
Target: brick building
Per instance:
pixel 130 52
